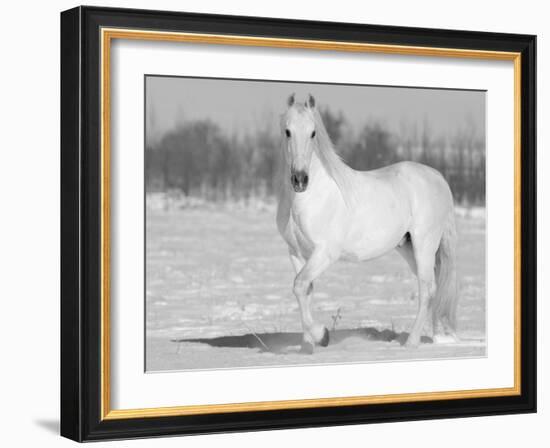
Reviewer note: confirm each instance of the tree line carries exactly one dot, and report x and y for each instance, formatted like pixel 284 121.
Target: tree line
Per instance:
pixel 200 159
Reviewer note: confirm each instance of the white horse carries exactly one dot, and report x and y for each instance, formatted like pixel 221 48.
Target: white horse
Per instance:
pixel 327 211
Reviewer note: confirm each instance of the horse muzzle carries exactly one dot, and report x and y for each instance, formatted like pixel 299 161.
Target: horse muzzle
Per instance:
pixel 299 180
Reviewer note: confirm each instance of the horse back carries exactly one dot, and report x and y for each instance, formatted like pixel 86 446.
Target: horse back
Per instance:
pixel 428 193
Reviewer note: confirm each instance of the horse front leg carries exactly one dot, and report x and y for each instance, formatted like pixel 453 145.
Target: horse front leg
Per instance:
pixel 314 333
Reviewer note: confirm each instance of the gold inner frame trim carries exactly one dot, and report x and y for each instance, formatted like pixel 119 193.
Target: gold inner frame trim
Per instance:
pixel 107 35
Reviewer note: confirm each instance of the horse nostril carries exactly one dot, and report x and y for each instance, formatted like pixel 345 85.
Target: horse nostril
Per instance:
pixel 299 180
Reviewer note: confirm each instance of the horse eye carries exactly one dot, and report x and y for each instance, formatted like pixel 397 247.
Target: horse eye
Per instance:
pixel 287 132
pixel 313 134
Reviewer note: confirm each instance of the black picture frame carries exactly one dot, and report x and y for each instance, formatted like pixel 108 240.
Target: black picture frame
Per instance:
pixel 81 224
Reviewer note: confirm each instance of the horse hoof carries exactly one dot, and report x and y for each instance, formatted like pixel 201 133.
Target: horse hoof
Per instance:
pixel 412 343
pixel 445 339
pixel 325 339
pixel 306 348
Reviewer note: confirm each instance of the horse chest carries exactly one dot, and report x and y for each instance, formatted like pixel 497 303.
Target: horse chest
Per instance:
pixel 297 235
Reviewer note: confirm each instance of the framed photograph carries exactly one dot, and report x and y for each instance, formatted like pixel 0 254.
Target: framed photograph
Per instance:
pixel 272 223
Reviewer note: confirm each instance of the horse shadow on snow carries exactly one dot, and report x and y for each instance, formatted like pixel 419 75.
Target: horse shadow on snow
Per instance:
pixel 285 342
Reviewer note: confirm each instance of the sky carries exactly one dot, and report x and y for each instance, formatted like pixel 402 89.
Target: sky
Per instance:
pixel 238 106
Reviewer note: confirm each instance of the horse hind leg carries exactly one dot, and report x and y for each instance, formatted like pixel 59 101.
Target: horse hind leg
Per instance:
pixel 424 255
pixel 405 249
pixel 442 330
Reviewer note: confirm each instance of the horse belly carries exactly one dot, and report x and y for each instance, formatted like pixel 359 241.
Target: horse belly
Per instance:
pixel 376 232
pixel 369 248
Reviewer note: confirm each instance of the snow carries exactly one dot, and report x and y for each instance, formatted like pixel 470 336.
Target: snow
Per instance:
pixel 219 295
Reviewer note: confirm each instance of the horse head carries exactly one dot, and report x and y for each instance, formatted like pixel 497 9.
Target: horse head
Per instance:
pixel 299 132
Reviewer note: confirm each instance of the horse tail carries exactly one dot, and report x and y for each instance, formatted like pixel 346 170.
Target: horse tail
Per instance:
pixel 446 295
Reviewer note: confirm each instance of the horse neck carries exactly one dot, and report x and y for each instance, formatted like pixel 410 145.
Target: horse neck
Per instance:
pixel 318 174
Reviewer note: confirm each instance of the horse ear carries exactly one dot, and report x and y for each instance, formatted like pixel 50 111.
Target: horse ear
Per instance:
pixel 290 100
pixel 311 101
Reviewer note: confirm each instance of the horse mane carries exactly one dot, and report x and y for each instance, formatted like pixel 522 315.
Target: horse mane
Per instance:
pixel 341 173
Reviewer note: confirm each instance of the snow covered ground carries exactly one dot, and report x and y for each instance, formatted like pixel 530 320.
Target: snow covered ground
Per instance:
pixel 218 295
